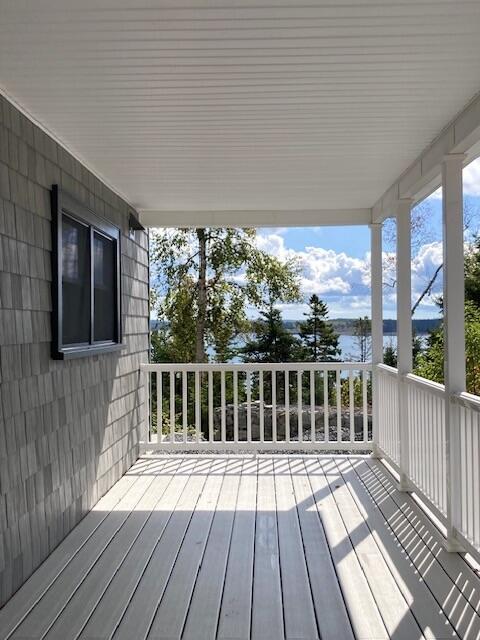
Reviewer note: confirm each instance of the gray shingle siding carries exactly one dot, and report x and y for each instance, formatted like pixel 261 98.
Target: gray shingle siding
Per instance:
pixel 68 429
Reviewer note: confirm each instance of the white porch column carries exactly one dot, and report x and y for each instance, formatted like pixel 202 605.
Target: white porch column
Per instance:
pixel 454 330
pixel 404 330
pixel 377 323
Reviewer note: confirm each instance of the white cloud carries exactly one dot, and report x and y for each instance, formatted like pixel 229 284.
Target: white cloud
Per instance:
pixel 471 178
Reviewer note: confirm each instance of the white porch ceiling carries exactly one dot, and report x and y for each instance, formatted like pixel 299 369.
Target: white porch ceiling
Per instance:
pixel 211 106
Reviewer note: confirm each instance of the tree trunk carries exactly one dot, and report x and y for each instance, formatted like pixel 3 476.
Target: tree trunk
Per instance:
pixel 200 355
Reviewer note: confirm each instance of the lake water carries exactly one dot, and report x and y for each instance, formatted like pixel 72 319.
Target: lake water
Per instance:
pixel 348 345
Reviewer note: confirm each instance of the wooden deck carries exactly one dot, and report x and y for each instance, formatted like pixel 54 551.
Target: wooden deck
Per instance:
pixel 236 547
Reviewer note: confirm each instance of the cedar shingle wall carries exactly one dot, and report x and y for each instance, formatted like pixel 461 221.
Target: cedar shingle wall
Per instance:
pixel 68 430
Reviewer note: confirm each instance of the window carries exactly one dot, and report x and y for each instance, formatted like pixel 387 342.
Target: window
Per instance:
pixel 86 280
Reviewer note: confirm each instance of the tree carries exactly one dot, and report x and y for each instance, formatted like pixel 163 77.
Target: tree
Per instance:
pixel 272 341
pixel 320 342
pixel 204 280
pixel 472 272
pixel 362 336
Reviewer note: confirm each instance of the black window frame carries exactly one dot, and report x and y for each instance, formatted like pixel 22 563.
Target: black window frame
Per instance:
pixel 63 204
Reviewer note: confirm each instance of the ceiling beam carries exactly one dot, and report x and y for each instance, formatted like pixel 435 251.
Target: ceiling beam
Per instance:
pixel 261 218
pixel 422 177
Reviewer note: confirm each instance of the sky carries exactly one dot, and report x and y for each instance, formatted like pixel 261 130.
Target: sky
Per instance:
pixel 335 261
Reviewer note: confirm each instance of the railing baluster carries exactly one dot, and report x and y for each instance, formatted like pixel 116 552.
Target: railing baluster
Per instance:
pixel 184 402
pixel 235 406
pixel 249 406
pixel 274 405
pixel 312 405
pixel 198 410
pixel 365 406
pixel 338 385
pixel 261 409
pixel 223 407
pixel 159 405
pixel 325 406
pixel 172 403
pixel 210 406
pixel 299 406
pixel 287 406
pixel 351 402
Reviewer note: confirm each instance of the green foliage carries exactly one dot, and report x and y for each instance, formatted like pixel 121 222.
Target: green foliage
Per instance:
pixel 363 339
pixel 472 273
pixel 390 355
pixel 203 280
pixel 271 341
pixel 319 340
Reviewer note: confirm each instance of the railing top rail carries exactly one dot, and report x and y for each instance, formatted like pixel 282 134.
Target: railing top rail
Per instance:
pixel 257 366
pixel 387 369
pixel 434 387
pixel 467 400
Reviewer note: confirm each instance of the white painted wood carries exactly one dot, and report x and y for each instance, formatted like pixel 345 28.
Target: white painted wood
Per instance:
pixel 298 610
pixel 267 605
pixel 210 405
pixel 325 407
pixel 204 608
pixel 422 604
pixel 338 388
pixel 389 599
pixel 198 414
pixel 454 329
pixel 248 383
pixel 299 405
pixel 274 405
pixel 312 406
pixel 173 608
pixel 144 602
pixel 114 602
pixel 376 275
pixel 57 596
pixel 260 111
pixel 235 613
pixel 456 608
pixel 404 329
pixel 235 407
pixel 261 401
pixel 184 402
pixel 286 383
pixel 180 550
pixel 13 612
pixel 261 219
pixel 331 614
pixel 79 608
pixel 223 427
pixel 172 406
pixel 364 615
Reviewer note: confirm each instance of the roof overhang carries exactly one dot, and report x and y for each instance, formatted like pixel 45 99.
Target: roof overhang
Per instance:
pixel 198 113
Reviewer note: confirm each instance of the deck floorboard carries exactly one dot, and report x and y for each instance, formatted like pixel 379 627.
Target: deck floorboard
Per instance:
pixel 243 548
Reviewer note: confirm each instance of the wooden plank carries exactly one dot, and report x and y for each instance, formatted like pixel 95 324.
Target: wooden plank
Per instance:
pixel 422 604
pixel 53 600
pixel 173 608
pixel 83 602
pixel 204 607
pixel 448 576
pixel 393 607
pixel 361 606
pixel 144 601
pixel 267 606
pixel 114 602
pixel 235 612
pixel 30 593
pixel 298 611
pixel 332 617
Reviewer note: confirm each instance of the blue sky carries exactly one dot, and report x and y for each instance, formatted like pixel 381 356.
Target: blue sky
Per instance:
pixel 335 261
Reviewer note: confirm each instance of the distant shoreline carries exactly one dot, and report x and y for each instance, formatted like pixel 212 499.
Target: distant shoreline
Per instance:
pixel 346 326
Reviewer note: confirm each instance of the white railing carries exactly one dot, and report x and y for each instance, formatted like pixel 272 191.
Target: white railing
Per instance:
pixel 468 526
pixel 321 406
pixel 426 458
pixel 388 431
pixel 426 424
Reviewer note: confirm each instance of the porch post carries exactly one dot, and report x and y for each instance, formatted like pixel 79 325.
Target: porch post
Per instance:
pixel 377 324
pixel 454 331
pixel 404 331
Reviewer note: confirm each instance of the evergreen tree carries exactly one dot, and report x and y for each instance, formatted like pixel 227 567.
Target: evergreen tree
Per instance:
pixel 363 338
pixel 272 342
pixel 319 340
